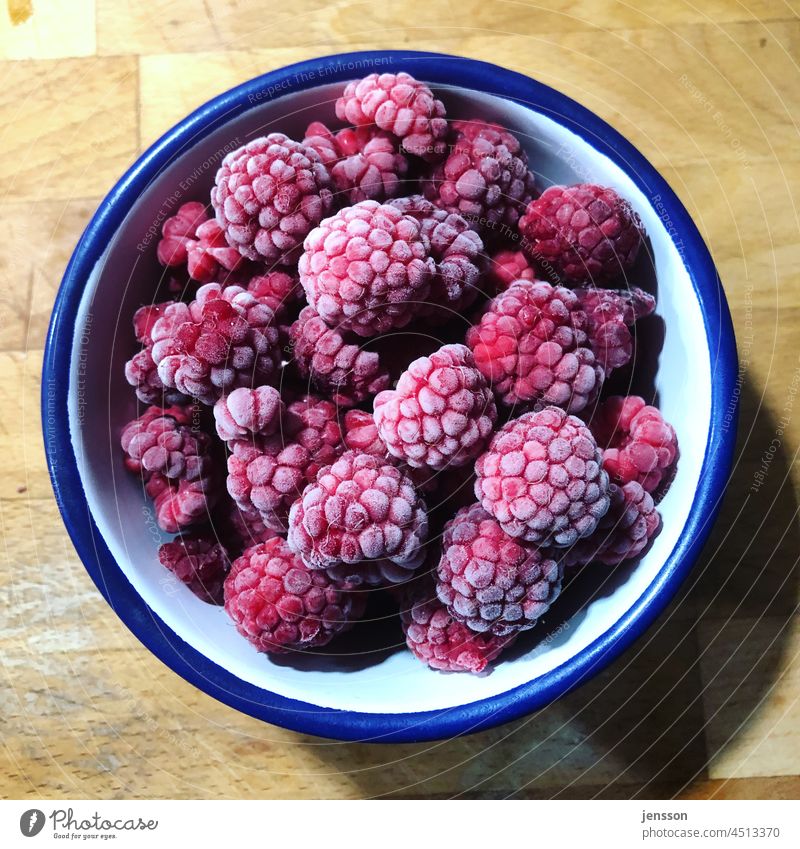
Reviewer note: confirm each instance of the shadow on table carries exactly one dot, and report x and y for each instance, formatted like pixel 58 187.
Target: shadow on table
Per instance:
pixel 639 728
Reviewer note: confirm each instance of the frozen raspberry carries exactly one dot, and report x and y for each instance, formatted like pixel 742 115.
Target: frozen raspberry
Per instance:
pixel 587 233
pixel 361 434
pixel 279 290
pixel 199 561
pixel 485 177
pixel 457 251
pixel 224 339
pixel 638 444
pixel 441 413
pixel 144 320
pixel 442 642
pixel 341 369
pixel 624 532
pixel 531 345
pixel 542 478
pixel 360 508
pixel 141 372
pixel 489 580
pixel 174 461
pixel 610 313
pixel 280 605
pixel 191 239
pixel 400 105
pixel 269 195
pixel 366 269
pixel 248 411
pixel 365 163
pixel 506 267
pixel 267 475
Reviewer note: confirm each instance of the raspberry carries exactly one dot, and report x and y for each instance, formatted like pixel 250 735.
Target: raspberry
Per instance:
pixel 223 339
pixel 360 508
pixel 485 176
pixel 175 464
pixel 268 475
pixel 361 434
pixel 191 239
pixel 638 444
pixel 248 411
pixel 542 478
pixel 531 345
pixel 506 267
pixel 277 289
pixel 587 233
pixel 366 269
pixel 610 313
pixel 490 581
pixel 141 372
pixel 624 532
pixel 400 105
pixel 456 250
pixel 441 413
pixel 341 369
pixel 365 164
pixel 442 642
pixel 200 562
pixel 144 320
pixel 280 605
pixel 269 195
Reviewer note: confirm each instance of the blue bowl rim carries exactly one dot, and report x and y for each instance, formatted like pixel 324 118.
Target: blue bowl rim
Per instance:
pixel 445 70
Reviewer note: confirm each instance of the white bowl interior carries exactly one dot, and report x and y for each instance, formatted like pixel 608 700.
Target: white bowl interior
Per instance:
pixel 387 681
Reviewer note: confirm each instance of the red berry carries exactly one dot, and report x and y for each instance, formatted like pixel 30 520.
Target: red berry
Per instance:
pixel 441 413
pixel 360 508
pixel 279 290
pixel 638 444
pixel 491 581
pixel 587 233
pixel 506 267
pixel 400 105
pixel 366 269
pixel 246 412
pixel 531 345
pixel 280 605
pixel 542 479
pixel 485 177
pixel 268 196
pixel 199 561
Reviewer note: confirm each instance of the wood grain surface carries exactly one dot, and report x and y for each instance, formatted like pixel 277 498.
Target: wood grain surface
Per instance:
pixel 706 704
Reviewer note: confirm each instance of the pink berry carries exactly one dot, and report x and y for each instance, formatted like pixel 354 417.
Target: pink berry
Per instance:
pixel 199 561
pixel 542 478
pixel 246 412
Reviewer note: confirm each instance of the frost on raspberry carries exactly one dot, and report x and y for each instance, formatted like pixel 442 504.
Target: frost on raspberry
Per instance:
pixel 400 105
pixel 279 605
pixel 638 444
pixel 269 195
pixel 367 269
pixel 246 412
pixel 441 413
pixel 531 345
pixel 586 233
pixel 541 478
pixel 174 461
pixel 485 177
pixel 442 642
pixel 200 561
pixel 341 369
pixel 360 508
pixel 623 533
pixel 190 239
pixel 490 581
pixel 266 475
pixel 365 163
pixel 225 338
pixel 610 314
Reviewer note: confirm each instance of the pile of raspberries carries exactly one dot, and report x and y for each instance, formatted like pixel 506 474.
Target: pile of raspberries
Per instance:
pixel 376 363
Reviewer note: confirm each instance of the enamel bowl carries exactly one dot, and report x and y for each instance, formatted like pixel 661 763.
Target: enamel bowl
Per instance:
pixel 687 361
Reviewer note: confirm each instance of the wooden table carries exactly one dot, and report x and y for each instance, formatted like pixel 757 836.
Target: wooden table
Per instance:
pixel 706 704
